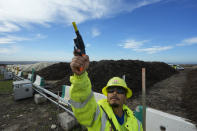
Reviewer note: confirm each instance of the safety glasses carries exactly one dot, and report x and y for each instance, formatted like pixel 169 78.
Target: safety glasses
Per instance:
pixel 118 89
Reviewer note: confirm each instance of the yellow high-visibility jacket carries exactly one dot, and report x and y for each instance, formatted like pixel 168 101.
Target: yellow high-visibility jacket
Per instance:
pixel 90 114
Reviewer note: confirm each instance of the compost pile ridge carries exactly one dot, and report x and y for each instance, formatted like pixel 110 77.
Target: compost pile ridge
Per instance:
pixel 100 72
pixel 56 71
pixel 189 94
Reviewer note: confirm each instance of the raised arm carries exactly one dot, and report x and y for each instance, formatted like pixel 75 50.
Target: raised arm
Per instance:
pixel 83 102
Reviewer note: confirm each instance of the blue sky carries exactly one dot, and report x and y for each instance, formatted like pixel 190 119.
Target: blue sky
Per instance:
pixel 148 30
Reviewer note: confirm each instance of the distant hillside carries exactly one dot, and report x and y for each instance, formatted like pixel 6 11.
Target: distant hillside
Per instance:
pixel 18 62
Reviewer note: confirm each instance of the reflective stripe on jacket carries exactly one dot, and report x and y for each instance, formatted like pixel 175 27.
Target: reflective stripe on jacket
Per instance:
pixel 90 114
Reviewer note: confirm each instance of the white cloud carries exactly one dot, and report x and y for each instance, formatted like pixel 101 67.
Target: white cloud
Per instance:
pixel 95 32
pixel 133 44
pixel 8 27
pixel 154 49
pixel 188 42
pixel 9 50
pixel 17 13
pixel 147 2
pixel 138 46
pixel 11 39
pixel 14 39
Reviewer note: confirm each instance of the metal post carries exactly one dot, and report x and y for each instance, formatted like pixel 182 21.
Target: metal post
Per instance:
pixel 58 103
pixel 144 97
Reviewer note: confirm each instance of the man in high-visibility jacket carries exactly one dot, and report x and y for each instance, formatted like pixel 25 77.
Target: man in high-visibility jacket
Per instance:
pixel 106 115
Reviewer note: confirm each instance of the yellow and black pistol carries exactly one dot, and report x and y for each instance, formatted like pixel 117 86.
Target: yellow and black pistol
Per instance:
pixel 79 44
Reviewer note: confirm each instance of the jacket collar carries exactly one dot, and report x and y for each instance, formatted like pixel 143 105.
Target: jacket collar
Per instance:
pixel 110 113
pixel 109 110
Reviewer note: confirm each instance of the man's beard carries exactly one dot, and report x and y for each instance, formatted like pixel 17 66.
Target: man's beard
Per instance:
pixel 114 105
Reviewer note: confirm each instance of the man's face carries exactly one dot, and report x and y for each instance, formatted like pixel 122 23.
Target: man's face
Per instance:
pixel 116 96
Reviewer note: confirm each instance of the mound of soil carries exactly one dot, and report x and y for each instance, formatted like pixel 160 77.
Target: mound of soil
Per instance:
pixel 55 71
pixel 100 72
pixel 189 95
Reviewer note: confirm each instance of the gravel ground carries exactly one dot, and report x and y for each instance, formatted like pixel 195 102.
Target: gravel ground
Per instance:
pixel 166 95
pixel 26 115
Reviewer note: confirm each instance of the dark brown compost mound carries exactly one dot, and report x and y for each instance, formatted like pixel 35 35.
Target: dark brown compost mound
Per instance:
pixel 55 71
pixel 100 72
pixel 189 95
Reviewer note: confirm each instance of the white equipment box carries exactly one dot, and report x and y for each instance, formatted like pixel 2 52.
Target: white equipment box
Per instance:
pixel 8 75
pixel 22 89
